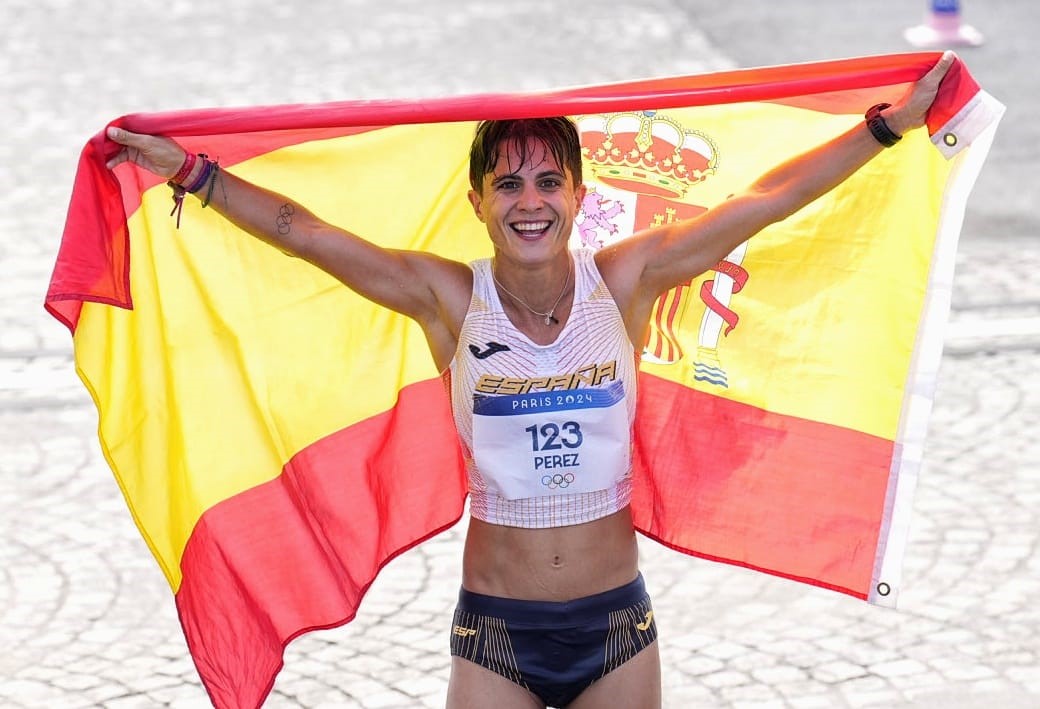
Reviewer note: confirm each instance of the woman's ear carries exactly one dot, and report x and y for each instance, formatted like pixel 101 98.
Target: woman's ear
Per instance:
pixel 476 200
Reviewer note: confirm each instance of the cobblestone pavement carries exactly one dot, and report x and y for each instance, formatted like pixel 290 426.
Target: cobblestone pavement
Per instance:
pixel 86 617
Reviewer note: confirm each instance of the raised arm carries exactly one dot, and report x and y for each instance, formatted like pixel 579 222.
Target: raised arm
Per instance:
pixel 642 267
pixel 427 288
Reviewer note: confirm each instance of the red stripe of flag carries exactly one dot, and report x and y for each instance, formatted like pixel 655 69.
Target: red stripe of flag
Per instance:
pixel 299 552
pixel 731 480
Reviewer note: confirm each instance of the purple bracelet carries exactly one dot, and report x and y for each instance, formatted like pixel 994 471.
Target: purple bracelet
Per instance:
pixel 204 175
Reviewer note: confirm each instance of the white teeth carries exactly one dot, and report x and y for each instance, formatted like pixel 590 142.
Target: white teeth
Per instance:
pixel 531 226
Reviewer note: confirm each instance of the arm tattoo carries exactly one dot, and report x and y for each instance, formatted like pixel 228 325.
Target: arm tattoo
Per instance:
pixel 284 220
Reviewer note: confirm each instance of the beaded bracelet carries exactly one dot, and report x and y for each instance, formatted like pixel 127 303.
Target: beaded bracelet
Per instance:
pixel 879 128
pixel 214 174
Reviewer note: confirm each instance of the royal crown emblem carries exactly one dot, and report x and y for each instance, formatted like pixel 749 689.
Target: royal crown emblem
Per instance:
pixel 645 152
pixel 643 164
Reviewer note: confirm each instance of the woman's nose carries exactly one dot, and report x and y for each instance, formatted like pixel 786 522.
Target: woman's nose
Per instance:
pixel 530 198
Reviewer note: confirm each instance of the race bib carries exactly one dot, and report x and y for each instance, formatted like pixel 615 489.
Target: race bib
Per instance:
pixel 549 443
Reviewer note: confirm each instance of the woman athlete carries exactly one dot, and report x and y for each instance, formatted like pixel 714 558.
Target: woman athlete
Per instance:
pixel 539 344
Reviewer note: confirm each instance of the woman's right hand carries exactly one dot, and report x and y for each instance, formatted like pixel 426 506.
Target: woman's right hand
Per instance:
pixel 154 153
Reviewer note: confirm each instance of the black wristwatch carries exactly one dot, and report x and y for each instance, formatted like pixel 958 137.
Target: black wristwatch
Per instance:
pixel 878 128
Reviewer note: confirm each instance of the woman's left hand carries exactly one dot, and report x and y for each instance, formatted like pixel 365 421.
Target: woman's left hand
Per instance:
pixel 911 110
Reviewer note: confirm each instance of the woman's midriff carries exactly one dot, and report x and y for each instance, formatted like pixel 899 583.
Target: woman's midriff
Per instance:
pixel 554 564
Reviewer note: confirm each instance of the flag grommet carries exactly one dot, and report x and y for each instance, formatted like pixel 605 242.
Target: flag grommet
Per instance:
pixel 883 589
pixel 950 139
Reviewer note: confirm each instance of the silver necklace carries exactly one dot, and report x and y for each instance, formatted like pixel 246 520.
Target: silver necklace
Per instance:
pixel 549 317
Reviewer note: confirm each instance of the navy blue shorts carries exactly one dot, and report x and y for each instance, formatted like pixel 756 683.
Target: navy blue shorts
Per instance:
pixel 554 649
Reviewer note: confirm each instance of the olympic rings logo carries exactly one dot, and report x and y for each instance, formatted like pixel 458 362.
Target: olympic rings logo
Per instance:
pixel 284 220
pixel 558 480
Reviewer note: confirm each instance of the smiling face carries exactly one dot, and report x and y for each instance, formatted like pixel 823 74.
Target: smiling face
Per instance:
pixel 528 202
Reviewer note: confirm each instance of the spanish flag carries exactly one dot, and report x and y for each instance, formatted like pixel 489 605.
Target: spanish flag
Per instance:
pixel 278 439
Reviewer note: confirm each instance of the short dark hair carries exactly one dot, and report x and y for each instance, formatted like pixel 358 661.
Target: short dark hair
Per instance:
pixel 559 135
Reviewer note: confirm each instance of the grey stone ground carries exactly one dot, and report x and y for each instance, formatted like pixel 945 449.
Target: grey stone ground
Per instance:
pixel 86 618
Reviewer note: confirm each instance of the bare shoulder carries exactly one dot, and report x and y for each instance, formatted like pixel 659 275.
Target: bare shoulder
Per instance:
pixel 439 267
pixel 450 281
pixel 622 266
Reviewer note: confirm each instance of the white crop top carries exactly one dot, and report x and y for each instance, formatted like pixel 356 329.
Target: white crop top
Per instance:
pixel 546 430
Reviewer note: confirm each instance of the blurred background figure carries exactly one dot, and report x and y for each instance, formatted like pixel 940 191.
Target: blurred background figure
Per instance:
pixel 943 28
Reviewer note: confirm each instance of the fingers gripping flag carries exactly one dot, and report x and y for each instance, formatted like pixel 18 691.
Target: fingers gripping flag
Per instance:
pixel 278 439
